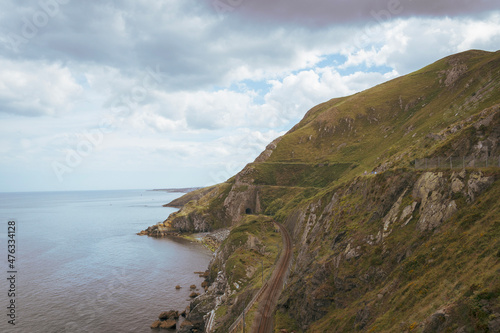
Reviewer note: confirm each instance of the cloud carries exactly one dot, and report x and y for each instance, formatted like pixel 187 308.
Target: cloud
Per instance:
pixel 223 86
pixel 407 45
pixel 328 12
pixel 480 34
pixel 289 98
pixel 285 102
pixel 193 48
pixel 34 89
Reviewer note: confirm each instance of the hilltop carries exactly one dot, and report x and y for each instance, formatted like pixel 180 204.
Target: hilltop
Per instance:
pixel 391 198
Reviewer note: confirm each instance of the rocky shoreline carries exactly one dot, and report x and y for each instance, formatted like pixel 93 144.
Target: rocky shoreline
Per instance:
pixel 211 240
pixel 192 318
pixel 405 248
pixel 179 321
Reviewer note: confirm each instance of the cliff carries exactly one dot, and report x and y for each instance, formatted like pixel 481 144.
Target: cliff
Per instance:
pixel 391 197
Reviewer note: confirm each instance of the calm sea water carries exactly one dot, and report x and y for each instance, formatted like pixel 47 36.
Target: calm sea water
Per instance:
pixel 82 268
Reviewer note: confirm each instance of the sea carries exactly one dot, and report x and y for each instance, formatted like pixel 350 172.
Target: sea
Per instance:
pixel 79 266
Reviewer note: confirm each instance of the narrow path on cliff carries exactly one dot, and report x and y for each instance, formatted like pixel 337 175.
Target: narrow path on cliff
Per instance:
pixel 263 322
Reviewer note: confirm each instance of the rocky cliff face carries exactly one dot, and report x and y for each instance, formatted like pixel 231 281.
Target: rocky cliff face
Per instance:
pixel 381 244
pixel 235 274
pixel 223 205
pixel 242 199
pixel 352 242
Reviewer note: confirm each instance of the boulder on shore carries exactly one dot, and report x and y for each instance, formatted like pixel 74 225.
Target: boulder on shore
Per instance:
pixel 186 323
pixel 194 294
pixel 170 323
pixel 169 315
pixel 156 324
pixel 192 286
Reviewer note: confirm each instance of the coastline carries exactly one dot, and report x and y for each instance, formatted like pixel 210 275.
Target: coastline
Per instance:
pixel 183 320
pixel 193 316
pixel 211 240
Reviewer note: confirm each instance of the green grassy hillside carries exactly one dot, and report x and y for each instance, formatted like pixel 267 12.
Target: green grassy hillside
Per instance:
pixel 353 274
pixel 371 126
pixel 386 239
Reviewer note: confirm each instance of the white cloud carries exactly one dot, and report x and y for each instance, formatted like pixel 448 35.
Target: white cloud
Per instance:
pixel 407 45
pixel 285 102
pixel 32 88
pixel 226 86
pixel 476 34
pixel 291 97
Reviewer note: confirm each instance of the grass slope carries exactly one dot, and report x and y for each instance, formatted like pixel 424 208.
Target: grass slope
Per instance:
pixel 456 268
pixel 395 286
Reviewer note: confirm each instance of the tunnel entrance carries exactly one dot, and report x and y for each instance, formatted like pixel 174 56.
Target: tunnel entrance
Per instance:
pixel 248 211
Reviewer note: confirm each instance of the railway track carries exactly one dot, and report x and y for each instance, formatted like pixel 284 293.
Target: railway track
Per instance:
pixel 275 284
pixel 270 291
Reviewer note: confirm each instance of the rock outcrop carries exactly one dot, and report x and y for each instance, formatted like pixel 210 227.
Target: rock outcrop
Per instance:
pixel 436 204
pixel 242 199
pixel 264 156
pixel 380 244
pixel 167 320
pixel 404 203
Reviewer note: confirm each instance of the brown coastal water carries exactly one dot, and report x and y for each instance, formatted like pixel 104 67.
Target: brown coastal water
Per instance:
pixel 81 267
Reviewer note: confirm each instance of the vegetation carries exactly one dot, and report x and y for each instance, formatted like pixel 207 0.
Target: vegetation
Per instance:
pixel 455 268
pixel 297 174
pixel 248 254
pixel 342 178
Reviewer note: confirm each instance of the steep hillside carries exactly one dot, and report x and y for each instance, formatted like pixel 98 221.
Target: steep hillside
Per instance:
pixel 391 196
pixel 385 253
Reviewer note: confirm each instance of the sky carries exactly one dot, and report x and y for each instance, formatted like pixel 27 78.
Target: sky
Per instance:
pixel 143 94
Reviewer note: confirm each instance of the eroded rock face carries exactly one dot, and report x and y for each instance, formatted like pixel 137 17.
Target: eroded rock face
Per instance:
pixel 194 222
pixel 199 312
pixel 383 204
pixel 436 205
pixel 456 70
pixel 477 183
pixel 426 184
pixel 393 215
pixel 457 185
pixel 264 156
pixel 436 193
pixel 407 213
pixel 199 309
pixel 242 199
